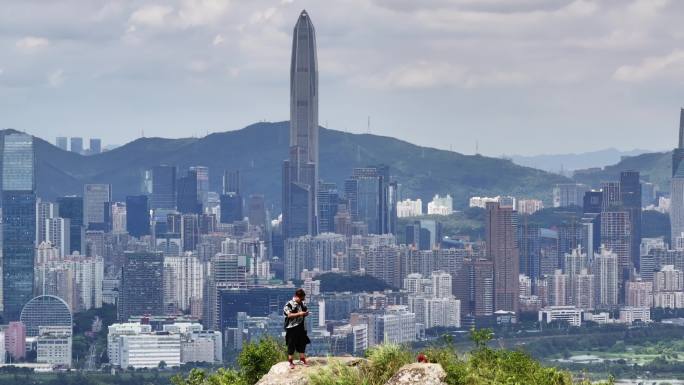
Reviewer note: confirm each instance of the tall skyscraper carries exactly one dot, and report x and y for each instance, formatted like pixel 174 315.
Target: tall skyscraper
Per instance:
pixel 95 146
pixel 630 193
pixel 606 277
pixel 137 215
pixel 62 142
pixel 202 184
pixel 328 200
pixel 19 223
pixel 142 285
pixel 71 207
pixel 163 187
pixel 677 188
pixel 97 199
pixel 611 197
pixel 256 210
pixel 503 251
pixel 187 196
pixel 300 171
pixel 77 145
pixel 231 200
pixel 372 198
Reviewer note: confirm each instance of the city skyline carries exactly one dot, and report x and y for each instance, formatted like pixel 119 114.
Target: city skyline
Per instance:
pixel 235 54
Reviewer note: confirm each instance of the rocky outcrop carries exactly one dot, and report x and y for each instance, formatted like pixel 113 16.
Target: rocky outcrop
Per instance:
pixel 281 374
pixel 423 374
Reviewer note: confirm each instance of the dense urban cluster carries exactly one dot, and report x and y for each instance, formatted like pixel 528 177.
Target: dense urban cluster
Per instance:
pixel 196 274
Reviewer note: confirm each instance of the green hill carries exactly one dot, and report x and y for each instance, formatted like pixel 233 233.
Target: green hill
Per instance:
pixel 259 149
pixel 655 167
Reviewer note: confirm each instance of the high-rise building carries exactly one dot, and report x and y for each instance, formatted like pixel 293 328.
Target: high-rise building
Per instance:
pixel 592 202
pixel 97 200
pixel 474 287
pixel 568 194
pixel 189 231
pixel 230 202
pixel 77 145
pixel 328 202
pixel 187 198
pixel 256 210
pixel 501 225
pixel 62 142
pixel 558 289
pixel 611 198
pixel 231 182
pixel 137 215
pixel 95 146
pixel 616 235
pixel 163 187
pixel 677 186
pixel 231 207
pixel 183 282
pixel 606 277
pixel 372 198
pixel 118 220
pixel 71 207
pixel 44 211
pixel 583 290
pixel 58 233
pixel 300 171
pixel 202 184
pixel 15 340
pixel 630 195
pixel 19 223
pixel 142 285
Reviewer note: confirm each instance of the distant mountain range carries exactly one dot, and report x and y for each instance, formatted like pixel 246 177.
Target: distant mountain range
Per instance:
pixel 259 149
pixel 570 162
pixel 655 167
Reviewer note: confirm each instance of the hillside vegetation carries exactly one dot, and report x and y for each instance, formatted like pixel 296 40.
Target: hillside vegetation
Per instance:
pixel 482 365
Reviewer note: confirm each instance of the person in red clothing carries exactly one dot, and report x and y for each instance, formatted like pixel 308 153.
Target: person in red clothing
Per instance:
pixel 295 333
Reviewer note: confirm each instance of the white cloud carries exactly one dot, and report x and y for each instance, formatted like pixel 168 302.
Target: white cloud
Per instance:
pixel 198 66
pixel 218 40
pixel 434 75
pixel 188 13
pixel 32 43
pixel 201 12
pixel 151 15
pixel 56 78
pixel 654 67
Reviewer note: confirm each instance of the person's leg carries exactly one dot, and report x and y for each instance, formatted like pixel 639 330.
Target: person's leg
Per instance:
pixel 291 347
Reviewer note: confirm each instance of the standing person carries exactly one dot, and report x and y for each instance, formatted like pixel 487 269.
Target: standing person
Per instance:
pixel 295 334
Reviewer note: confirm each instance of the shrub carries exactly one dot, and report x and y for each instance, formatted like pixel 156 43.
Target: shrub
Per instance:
pixel 383 362
pixel 199 377
pixel 337 373
pixel 256 359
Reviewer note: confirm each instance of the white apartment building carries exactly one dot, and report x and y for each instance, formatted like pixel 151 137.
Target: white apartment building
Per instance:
pixel 183 281
pixel 409 208
pixel 54 345
pixel 441 205
pixel 569 314
pixel 139 351
pixel 630 314
pixel 397 325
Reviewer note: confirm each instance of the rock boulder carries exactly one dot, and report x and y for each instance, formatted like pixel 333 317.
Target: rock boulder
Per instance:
pixel 281 374
pixel 423 374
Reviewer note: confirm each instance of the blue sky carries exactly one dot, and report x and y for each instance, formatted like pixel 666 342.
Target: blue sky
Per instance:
pixel 517 76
